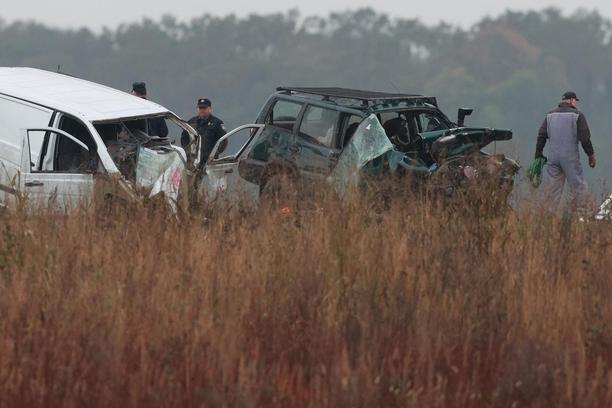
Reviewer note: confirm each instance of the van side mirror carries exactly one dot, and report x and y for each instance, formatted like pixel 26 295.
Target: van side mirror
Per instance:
pixel 463 112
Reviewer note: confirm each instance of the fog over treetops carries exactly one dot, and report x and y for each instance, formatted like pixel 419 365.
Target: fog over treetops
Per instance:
pixel 512 68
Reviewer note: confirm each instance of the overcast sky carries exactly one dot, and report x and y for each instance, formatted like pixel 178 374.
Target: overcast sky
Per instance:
pixel 95 14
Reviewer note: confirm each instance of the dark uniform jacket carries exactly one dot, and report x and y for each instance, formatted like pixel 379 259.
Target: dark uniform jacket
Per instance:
pixel 210 130
pixel 584 134
pixel 157 127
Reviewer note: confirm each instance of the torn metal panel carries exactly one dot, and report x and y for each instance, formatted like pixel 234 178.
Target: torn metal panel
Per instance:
pixel 160 172
pixel 454 142
pixel 605 211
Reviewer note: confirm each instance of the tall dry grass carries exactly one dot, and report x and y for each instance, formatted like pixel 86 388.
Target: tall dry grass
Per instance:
pixel 409 304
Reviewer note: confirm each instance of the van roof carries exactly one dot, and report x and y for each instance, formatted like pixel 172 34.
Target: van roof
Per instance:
pixel 91 101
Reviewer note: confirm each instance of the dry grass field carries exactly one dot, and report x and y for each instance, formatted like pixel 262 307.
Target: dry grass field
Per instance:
pixel 342 305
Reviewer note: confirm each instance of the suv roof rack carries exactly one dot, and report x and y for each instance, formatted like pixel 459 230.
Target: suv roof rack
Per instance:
pixel 364 96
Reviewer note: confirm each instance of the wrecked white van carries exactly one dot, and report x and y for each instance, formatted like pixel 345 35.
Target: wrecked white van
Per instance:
pixel 64 140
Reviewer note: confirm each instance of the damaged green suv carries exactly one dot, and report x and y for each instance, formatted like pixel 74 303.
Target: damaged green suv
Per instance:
pixel 335 135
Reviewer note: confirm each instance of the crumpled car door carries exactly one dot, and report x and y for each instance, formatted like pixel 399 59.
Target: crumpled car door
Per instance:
pixel 161 172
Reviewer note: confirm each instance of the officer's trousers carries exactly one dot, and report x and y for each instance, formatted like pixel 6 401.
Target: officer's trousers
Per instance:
pixel 558 171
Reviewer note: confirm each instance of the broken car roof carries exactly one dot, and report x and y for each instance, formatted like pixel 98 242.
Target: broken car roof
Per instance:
pixel 92 101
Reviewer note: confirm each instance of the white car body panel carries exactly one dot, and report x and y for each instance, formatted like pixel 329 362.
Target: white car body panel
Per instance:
pixel 35 99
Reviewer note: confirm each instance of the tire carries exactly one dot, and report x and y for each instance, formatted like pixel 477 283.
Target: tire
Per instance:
pixel 279 190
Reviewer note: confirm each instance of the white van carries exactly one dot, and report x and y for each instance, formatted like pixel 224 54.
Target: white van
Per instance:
pixel 63 138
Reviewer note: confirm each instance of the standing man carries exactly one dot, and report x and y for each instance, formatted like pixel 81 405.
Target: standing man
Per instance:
pixel 563 128
pixel 156 126
pixel 209 127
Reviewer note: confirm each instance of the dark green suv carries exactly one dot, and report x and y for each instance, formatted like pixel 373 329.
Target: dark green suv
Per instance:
pixel 323 134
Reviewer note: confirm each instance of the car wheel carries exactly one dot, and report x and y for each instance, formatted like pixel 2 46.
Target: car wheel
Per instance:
pixel 279 189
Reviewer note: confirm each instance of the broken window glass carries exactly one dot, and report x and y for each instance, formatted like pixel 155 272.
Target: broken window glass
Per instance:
pixel 123 139
pixel 122 145
pixel 368 143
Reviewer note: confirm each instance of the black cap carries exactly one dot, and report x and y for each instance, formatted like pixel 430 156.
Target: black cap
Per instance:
pixel 140 88
pixel 204 103
pixel 570 95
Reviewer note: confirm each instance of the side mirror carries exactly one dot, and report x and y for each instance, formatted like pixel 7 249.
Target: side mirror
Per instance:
pixel 463 112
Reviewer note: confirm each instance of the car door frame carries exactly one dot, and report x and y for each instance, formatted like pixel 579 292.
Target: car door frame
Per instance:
pixel 222 174
pixel 333 152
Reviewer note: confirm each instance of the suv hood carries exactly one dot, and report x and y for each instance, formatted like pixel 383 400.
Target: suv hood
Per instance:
pixel 370 142
pixel 452 142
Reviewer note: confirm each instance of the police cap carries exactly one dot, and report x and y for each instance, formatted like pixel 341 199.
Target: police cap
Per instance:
pixel 204 103
pixel 139 88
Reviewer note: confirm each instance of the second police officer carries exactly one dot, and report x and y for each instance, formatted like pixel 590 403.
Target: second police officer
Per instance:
pixel 209 127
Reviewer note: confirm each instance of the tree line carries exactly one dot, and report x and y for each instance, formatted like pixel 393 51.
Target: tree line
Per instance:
pixel 512 68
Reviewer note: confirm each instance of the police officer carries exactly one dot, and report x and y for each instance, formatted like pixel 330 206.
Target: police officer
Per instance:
pixel 563 128
pixel 209 127
pixel 156 126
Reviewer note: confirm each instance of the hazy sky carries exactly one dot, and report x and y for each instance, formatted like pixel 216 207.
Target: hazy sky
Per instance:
pixel 98 13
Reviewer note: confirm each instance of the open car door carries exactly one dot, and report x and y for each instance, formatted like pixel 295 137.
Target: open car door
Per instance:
pixel 222 180
pixel 68 177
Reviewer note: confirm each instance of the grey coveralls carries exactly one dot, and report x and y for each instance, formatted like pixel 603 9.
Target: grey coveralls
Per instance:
pixel 563 128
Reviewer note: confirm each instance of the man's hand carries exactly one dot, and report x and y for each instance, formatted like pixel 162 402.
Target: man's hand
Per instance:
pixel 592 161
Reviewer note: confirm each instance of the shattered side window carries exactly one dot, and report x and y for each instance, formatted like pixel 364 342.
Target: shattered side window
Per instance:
pixel 369 142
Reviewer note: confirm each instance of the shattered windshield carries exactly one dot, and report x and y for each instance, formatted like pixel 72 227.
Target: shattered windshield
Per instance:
pixel 369 142
pixel 124 138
